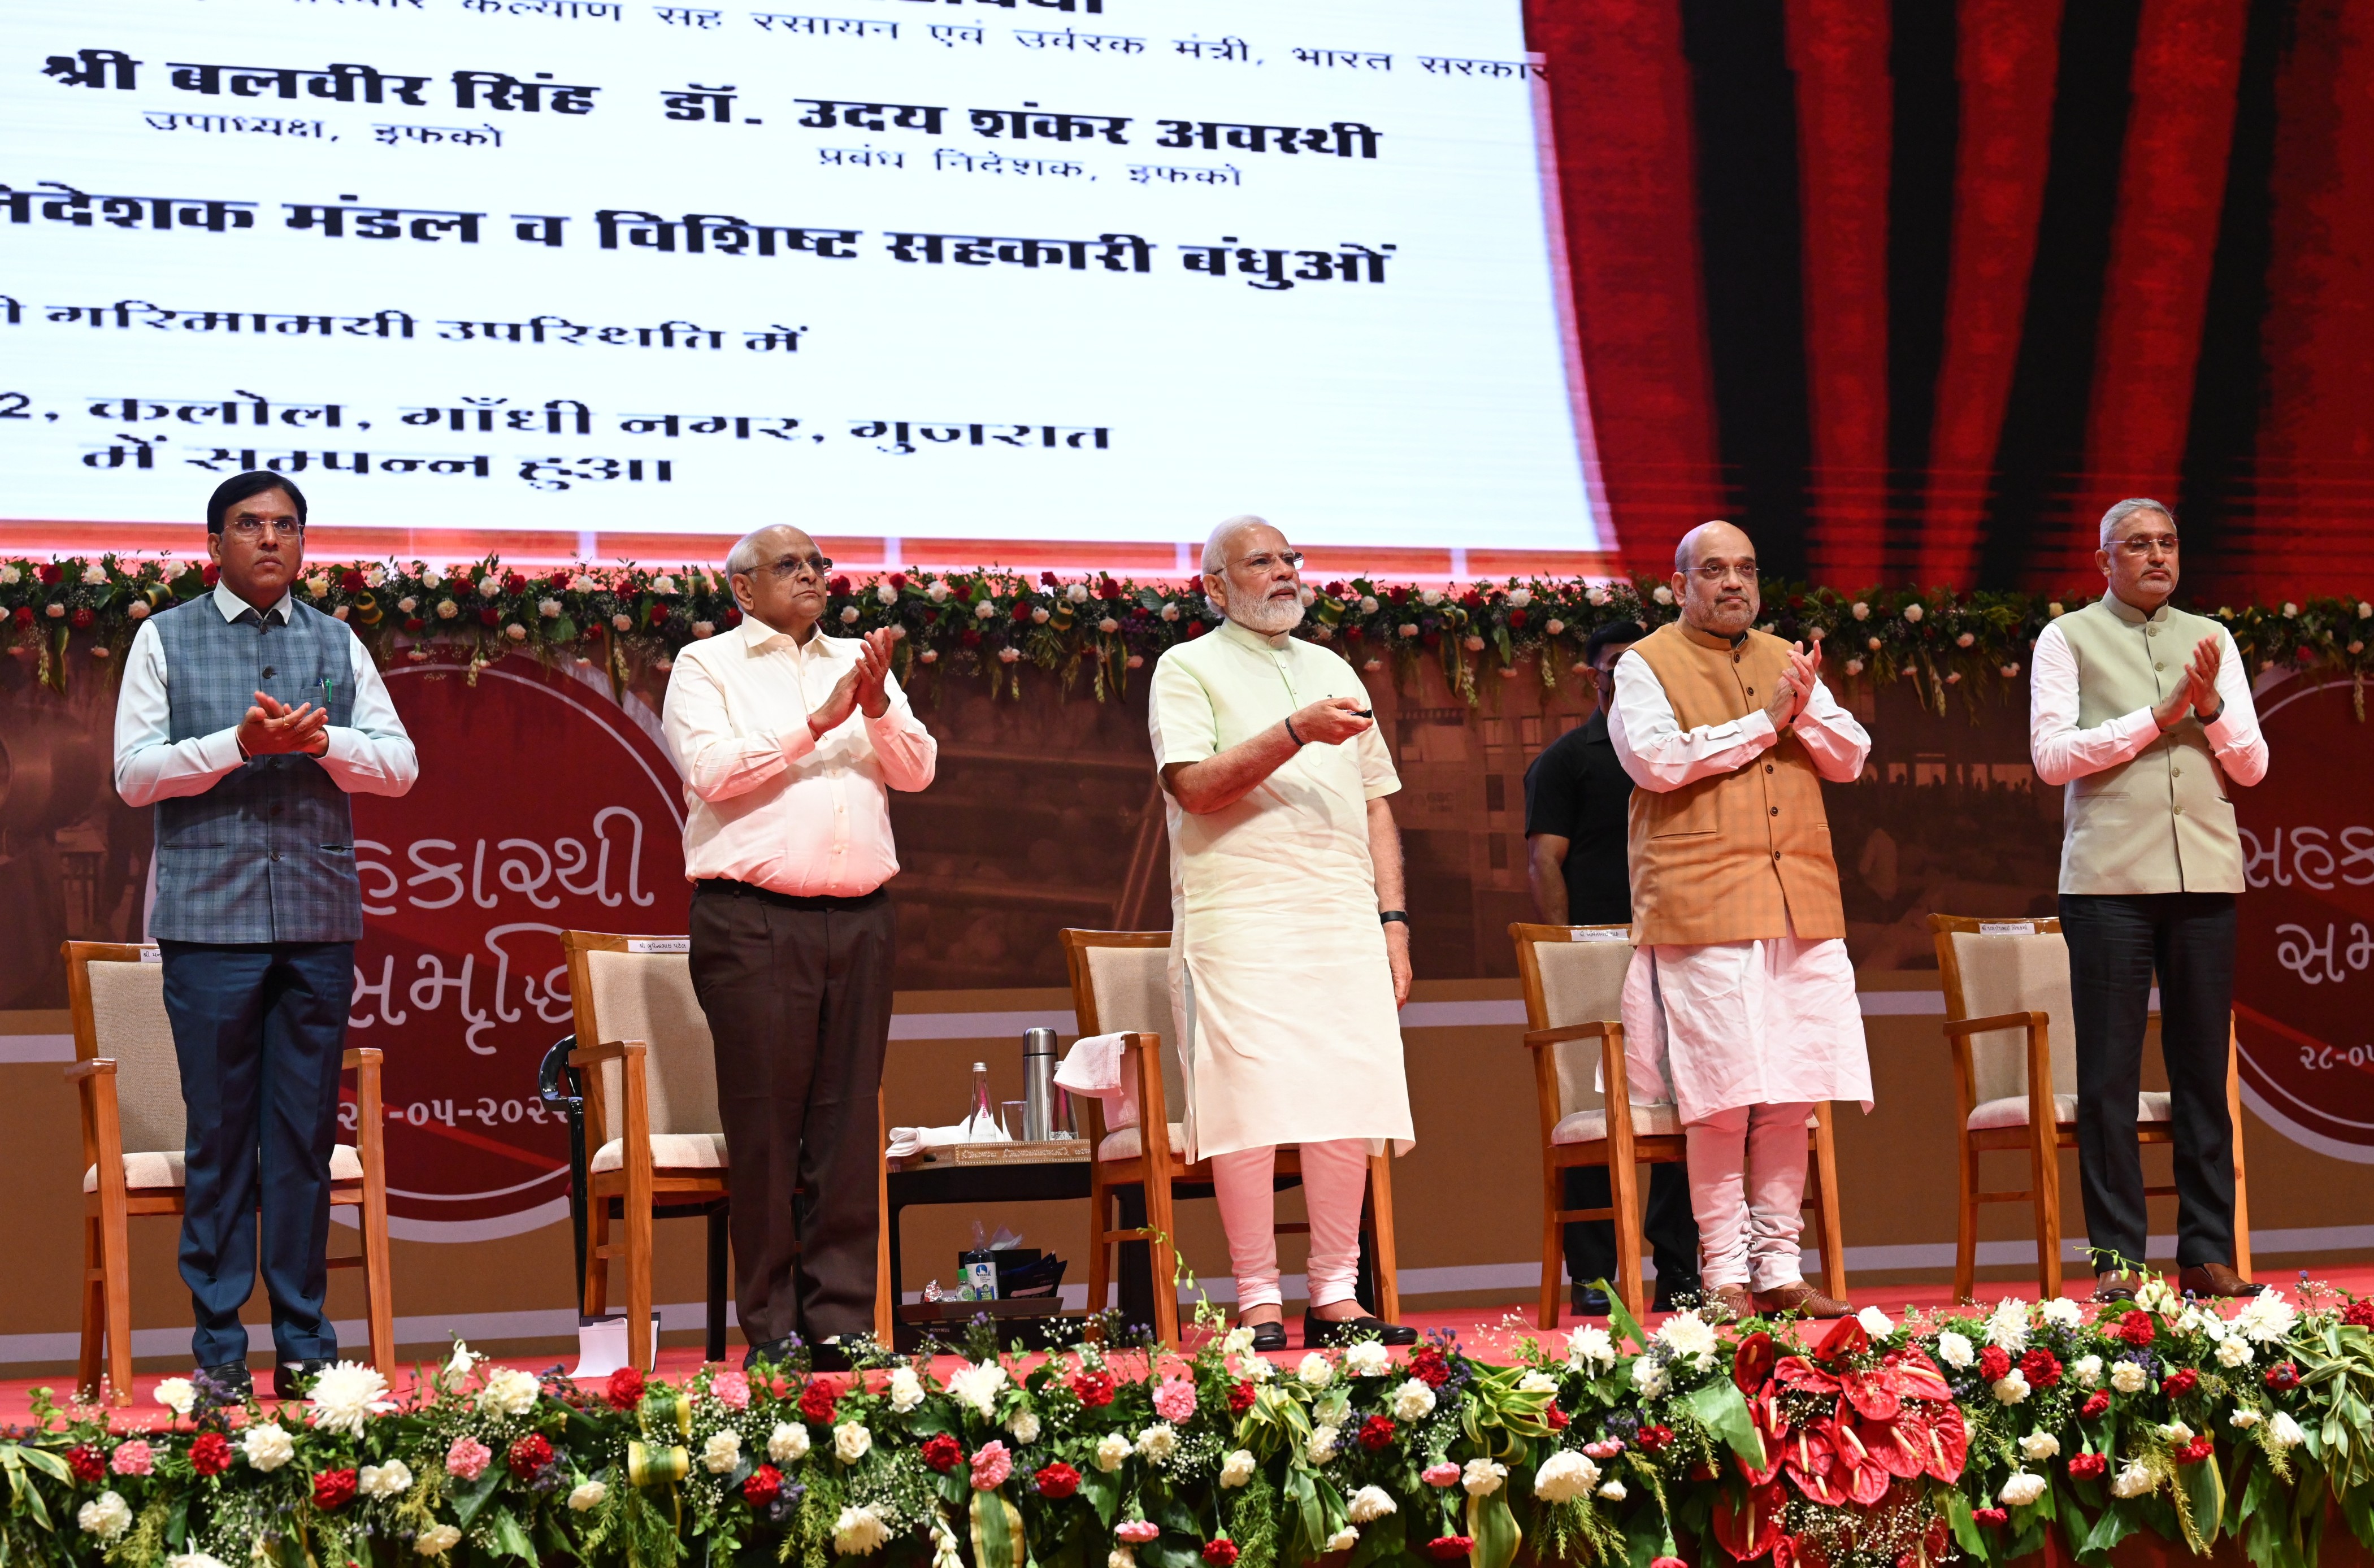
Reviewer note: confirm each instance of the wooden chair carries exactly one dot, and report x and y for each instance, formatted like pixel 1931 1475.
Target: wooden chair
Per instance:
pixel 1121 983
pixel 1574 987
pixel 134 1133
pixel 2008 1019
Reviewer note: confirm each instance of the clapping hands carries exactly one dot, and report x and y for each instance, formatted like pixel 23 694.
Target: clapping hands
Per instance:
pixel 1795 687
pixel 2197 693
pixel 272 727
pixel 865 686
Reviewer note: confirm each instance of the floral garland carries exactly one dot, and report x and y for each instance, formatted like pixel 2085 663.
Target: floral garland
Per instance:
pixel 991 624
pixel 1869 1443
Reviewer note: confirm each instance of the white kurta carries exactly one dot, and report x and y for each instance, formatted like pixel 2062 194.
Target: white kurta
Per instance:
pixel 1281 988
pixel 1713 1025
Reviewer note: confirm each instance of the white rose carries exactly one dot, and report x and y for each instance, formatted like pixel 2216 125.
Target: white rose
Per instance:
pixel 267 1446
pixel 580 582
pixel 432 577
pixel 1913 612
pixel 2133 1481
pixel 1121 1556
pixel 138 610
pixel 859 1532
pixel 2244 1419
pixel 2128 1378
pixel 1109 626
pixel 177 1395
pixel 1875 1323
pixel 664 583
pixel 1966 639
pixel 2291 611
pixel 2063 1312
pixel 885 594
pixel 1602 597
pixel 447 609
pixel 1407 628
pixel 1854 666
pixel 1520 597
pixel 1369 1503
pixel 906 1389
pixel 518 633
pixel 391 1480
pixel 1555 626
pixel 937 593
pixel 2285 1432
pixel 1412 1401
pixel 2364 610
pixel 549 608
pixel 1316 1372
pixel 1956 1351
pixel 1237 1469
pixel 2020 1488
pixel 1322 1446
pixel 2010 1388
pixel 10 577
pixel 106 1515
pixel 2233 1353
pixel 1564 1476
pixel 1171 611
pixel 587 1497
pixel 1368 604
pixel 977 1386
pixel 1664 596
pixel 722 1452
pixel 1159 1442
pixel 437 1540
pixel 509 1391
pixel 490 586
pixel 851 1442
pixel 1613 1491
pixel 1432 597
pixel 2007 1324
pixel 1024 1424
pixel 1591 1347
pixel 1536 1381
pixel 1112 1452
pixel 2086 1370
pixel 983 609
pixel 787 1442
pixel 1368 1358
pixel 849 614
pixel 347 1395
pixel 407 603
pixel 316 586
pixel 1482 1478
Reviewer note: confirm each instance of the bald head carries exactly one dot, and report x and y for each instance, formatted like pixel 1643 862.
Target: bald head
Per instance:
pixel 777 577
pixel 1714 578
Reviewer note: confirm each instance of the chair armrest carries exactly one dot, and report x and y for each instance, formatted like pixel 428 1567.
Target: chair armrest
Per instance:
pixel 366 1062
pixel 609 1050
pixel 96 1067
pixel 354 1059
pixel 1536 1038
pixel 1963 1028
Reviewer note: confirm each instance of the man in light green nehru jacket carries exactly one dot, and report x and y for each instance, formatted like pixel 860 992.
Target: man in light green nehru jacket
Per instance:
pixel 2143 712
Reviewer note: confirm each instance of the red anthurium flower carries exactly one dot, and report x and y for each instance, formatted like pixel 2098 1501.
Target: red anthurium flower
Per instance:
pixel 1784 1552
pixel 1949 1441
pixel 1870 1394
pixel 1845 1338
pixel 1917 1376
pixel 1796 1372
pixel 1859 1469
pixel 1752 1363
pixel 1746 1528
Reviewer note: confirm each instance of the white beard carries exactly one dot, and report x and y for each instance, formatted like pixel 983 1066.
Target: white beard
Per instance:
pixel 1268 616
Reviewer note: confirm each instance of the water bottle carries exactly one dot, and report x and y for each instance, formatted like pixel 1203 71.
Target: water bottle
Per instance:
pixel 1038 1086
pixel 981 1126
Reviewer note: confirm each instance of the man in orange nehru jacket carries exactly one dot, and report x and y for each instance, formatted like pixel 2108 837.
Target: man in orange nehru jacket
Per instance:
pixel 1740 1004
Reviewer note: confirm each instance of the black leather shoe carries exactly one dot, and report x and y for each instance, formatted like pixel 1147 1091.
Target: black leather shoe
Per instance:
pixel 288 1378
pixel 1268 1337
pixel 232 1384
pixel 828 1357
pixel 1322 1331
pixel 776 1350
pixel 1672 1292
pixel 1587 1301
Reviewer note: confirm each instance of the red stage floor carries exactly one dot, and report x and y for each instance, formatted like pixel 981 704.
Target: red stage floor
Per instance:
pixel 1490 1333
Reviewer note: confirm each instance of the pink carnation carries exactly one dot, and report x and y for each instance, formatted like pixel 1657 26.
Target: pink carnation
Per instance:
pixel 1174 1399
pixel 731 1389
pixel 467 1458
pixel 990 1465
pixel 132 1458
pixel 1443 1474
pixel 1137 1532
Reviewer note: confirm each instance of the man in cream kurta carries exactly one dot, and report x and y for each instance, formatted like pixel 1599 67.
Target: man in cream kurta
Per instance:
pixel 1740 1004
pixel 1289 953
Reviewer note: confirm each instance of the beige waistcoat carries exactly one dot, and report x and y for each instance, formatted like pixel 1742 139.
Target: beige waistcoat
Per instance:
pixel 2162 820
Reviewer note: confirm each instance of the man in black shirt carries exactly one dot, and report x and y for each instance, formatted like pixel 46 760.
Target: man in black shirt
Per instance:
pixel 1577 797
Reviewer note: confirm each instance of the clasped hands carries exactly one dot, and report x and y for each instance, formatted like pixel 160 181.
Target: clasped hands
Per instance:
pixel 1795 687
pixel 272 728
pixel 865 686
pixel 2197 693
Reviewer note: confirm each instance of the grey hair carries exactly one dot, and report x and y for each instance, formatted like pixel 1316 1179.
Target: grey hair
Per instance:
pixel 2127 509
pixel 1216 548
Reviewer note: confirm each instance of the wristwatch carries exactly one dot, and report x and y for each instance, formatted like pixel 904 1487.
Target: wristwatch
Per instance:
pixel 1387 917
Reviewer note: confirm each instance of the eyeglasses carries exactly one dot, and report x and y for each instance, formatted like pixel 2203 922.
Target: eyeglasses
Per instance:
pixel 2139 545
pixel 252 528
pixel 792 566
pixel 1715 572
pixel 1290 560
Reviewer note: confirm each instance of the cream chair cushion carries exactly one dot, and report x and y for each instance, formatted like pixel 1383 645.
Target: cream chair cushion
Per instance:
pixel 2016 973
pixel 649 996
pixel 127 1011
pixel 1582 982
pixel 162 1170
pixel 1590 1127
pixel 1131 987
pixel 670 1152
pixel 1125 1145
pixel 2012 1111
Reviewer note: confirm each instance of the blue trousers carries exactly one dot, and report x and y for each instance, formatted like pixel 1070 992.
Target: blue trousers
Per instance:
pixel 260 1031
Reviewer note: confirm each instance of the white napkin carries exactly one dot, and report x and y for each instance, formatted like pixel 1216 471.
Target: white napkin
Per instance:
pixel 905 1142
pixel 1096 1066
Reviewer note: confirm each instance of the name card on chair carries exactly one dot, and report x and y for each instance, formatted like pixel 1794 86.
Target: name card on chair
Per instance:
pixel 659 945
pixel 151 953
pixel 1592 933
pixel 2006 928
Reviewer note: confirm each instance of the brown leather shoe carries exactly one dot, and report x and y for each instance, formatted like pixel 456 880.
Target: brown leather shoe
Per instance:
pixel 1799 1296
pixel 2111 1293
pixel 1732 1299
pixel 2213 1279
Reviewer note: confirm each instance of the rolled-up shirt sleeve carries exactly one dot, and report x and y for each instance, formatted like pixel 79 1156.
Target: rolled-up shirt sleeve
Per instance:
pixel 2061 751
pixel 718 762
pixel 150 766
pixel 373 754
pixel 906 751
pixel 1658 752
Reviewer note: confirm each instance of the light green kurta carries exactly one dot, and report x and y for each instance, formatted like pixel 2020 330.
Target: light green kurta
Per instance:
pixel 1280 984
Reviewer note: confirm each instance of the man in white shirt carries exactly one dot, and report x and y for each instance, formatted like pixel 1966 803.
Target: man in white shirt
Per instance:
pixel 246 719
pixel 2143 712
pixel 789 741
pixel 1739 1007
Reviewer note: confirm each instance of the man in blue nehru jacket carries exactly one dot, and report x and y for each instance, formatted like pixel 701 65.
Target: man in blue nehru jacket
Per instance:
pixel 248 718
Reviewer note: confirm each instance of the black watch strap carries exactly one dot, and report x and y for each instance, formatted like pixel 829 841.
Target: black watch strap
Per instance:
pixel 1386 916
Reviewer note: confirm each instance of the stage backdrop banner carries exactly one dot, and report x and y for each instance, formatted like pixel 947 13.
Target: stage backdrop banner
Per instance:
pixel 542 807
pixel 1065 269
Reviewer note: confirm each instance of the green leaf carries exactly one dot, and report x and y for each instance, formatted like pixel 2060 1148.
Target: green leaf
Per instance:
pixel 468 1500
pixel 1966 1529
pixel 1495 1532
pixel 997 1532
pixel 2206 1489
pixel 2115 1525
pixel 1103 1495
pixel 1724 1411
pixel 49 1464
pixel 1620 1322
pixel 510 1540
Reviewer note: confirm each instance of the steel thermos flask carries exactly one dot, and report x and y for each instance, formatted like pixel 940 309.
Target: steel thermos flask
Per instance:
pixel 1038 1086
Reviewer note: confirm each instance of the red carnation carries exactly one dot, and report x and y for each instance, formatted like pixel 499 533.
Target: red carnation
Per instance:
pixel 1989 1518
pixel 491 616
pixel 1516 617
pixel 815 1403
pixel 837 587
pixel 1241 1398
pixel 1047 580
pixel 2200 1448
pixel 1556 1417
pixel 897 579
pixel 1021 610
pixel 333 1490
pixel 210 1453
pixel 942 1452
pixel 2283 1377
pixel 82 619
pixel 1058 1480
pixel 2359 1314
pixel 1995 1363
pixel 1428 1367
pixel 762 1486
pixel 528 1454
pixel 50 575
pixel 1377 1432
pixel 1450 1549
pixel 625 1389
pixel 89 1467
pixel 1655 1439
pixel 1220 1553
pixel 513 582
pixel 2179 1382
pixel 1095 1387
pixel 2096 1403
pixel 2137 1329
pixel 414 623
pixel 209 574
pixel 352 580
pixel 2086 1467
pixel 658 616
pixel 23 615
pixel 2041 1368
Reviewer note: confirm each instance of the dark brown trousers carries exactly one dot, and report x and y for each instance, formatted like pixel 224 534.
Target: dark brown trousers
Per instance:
pixel 797 994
